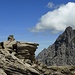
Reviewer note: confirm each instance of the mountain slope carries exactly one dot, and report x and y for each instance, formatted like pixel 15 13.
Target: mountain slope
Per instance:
pixel 62 52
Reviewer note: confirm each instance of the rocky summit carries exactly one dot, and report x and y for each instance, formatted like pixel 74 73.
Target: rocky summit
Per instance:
pixel 16 57
pixel 62 51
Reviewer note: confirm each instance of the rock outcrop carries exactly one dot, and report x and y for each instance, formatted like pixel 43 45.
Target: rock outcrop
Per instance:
pixel 17 57
pixel 62 52
pixel 22 50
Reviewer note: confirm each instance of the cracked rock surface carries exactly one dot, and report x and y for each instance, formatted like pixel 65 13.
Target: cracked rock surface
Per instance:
pixel 62 51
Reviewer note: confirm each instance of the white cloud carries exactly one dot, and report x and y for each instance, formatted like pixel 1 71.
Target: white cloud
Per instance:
pixel 50 5
pixel 57 20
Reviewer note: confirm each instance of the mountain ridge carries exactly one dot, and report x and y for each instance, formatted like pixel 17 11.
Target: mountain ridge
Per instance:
pixel 62 51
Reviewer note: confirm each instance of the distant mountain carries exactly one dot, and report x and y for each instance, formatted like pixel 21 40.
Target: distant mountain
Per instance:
pixel 62 52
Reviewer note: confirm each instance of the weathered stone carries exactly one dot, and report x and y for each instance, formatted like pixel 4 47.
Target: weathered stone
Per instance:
pixel 22 50
pixel 10 64
pixel 2 72
pixel 40 68
pixel 27 61
pixel 11 38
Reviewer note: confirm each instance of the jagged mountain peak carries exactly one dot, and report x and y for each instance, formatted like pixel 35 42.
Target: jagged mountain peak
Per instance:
pixel 62 52
pixel 69 31
pixel 66 36
pixel 69 28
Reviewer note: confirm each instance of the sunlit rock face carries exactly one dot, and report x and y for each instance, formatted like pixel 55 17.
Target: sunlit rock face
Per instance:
pixel 16 57
pixel 23 50
pixel 62 52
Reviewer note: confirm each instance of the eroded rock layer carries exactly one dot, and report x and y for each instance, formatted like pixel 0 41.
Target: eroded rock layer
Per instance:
pixel 17 57
pixel 22 50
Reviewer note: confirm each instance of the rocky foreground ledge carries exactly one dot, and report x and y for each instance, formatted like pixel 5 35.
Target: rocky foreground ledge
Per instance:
pixel 18 58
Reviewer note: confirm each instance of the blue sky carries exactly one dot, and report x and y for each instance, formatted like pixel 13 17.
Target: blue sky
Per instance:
pixel 19 17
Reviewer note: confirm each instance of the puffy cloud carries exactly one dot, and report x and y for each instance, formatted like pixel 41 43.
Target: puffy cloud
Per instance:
pixel 57 20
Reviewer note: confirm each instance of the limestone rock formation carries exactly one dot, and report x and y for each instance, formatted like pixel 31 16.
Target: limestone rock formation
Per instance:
pixel 22 50
pixel 62 52
pixel 13 55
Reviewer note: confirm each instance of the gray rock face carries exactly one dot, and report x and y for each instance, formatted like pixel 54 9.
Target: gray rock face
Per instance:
pixel 62 52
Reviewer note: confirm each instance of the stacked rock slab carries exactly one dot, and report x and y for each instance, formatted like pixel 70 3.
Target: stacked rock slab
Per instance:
pixel 22 50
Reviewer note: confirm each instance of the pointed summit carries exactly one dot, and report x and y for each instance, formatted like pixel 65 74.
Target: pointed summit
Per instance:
pixel 69 28
pixel 69 33
pixel 62 51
